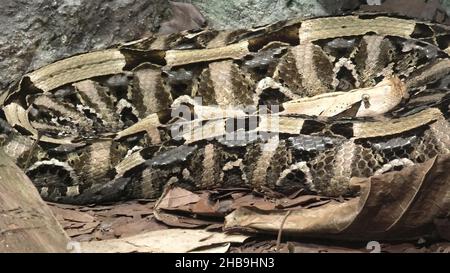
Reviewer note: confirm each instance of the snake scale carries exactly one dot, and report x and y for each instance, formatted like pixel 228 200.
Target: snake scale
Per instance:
pixel 299 104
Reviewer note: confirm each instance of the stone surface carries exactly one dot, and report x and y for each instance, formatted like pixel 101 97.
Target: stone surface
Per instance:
pixel 246 13
pixel 35 33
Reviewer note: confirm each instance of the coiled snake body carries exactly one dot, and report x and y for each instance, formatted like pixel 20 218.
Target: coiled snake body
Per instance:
pixel 298 104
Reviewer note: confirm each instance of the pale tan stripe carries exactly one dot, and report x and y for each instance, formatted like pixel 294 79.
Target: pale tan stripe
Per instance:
pixel 148 184
pixel 395 126
pixel 293 125
pixel 78 68
pixel 149 124
pixel 447 50
pixel 17 146
pixel 220 39
pixel 181 57
pixel 99 161
pixel 193 131
pixel 322 28
pixel 91 91
pixel 220 73
pixel 208 179
pixel 3 95
pixel 155 97
pixel 281 124
pixel 129 162
pixel 436 71
pixel 212 129
pixel 16 115
pixel 441 131
pixel 342 168
pixel 307 68
pixel 268 150
pixel 50 103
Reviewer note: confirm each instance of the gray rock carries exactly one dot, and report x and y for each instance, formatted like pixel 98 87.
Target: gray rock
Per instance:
pixel 246 13
pixel 36 33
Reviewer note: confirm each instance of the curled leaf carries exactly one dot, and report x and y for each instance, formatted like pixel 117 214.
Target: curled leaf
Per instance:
pixel 395 205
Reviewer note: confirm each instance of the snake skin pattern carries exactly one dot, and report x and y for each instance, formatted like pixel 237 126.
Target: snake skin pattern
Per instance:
pixel 351 96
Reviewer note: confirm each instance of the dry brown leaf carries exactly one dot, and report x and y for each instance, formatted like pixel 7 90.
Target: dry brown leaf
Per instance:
pixel 328 219
pixel 136 227
pixel 185 16
pixel 72 215
pixel 166 241
pixel 131 210
pixel 403 204
pixel 69 224
pixel 395 205
pixel 181 221
pixel 177 197
pixel 204 206
pixel 177 200
pixel 299 201
pixel 250 200
pixel 86 229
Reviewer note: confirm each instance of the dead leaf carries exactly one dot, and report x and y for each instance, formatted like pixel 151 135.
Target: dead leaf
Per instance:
pixel 136 227
pixel 214 227
pixel 177 197
pixel 443 247
pixel 219 248
pixel 68 224
pixel 174 220
pixel 72 215
pixel 250 200
pixel 86 229
pixel 204 206
pixel 327 219
pixel 196 208
pixel 300 201
pixel 396 205
pixel 185 16
pixel 131 210
pixel 166 241
pixel 403 204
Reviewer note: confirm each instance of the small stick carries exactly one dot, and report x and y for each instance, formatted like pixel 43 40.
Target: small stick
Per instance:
pixel 30 154
pixel 280 231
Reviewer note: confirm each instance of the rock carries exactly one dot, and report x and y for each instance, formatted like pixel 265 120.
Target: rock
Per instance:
pixel 246 13
pixel 36 33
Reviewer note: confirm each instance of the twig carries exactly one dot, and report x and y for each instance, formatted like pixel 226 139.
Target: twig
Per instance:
pixel 30 153
pixel 280 231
